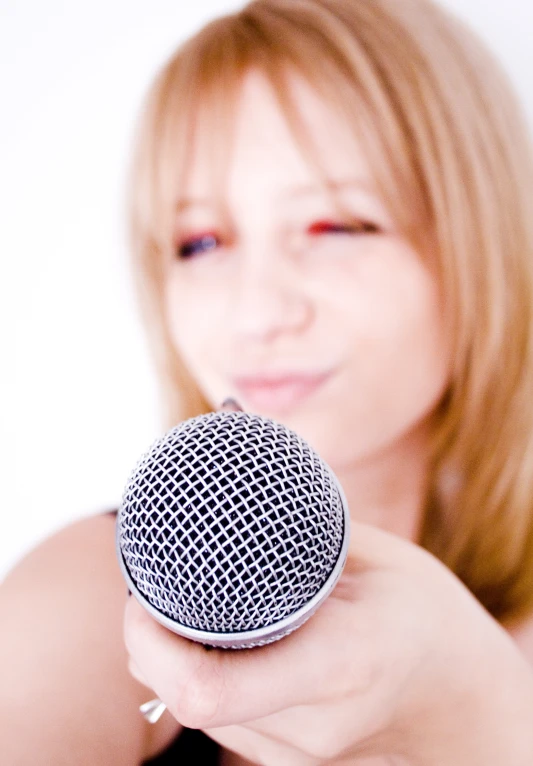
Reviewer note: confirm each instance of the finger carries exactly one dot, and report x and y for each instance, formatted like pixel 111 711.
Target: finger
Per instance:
pixel 324 733
pixel 166 662
pixel 258 748
pixel 300 727
pixel 222 687
pixel 372 548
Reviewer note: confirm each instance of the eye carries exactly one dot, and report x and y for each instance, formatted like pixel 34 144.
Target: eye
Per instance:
pixel 352 227
pixel 197 245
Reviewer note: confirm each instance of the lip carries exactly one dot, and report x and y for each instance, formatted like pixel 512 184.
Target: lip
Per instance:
pixel 278 393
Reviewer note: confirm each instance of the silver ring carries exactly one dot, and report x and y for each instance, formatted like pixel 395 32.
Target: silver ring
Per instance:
pixel 153 710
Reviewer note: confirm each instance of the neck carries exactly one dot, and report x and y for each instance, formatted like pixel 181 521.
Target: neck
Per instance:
pixel 388 490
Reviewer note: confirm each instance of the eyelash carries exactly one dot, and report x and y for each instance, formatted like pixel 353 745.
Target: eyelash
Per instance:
pixel 355 227
pixel 204 243
pixel 190 247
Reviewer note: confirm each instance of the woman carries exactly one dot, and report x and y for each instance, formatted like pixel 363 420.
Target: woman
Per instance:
pixel 330 225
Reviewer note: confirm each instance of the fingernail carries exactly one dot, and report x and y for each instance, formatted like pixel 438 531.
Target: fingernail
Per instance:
pixel 231 404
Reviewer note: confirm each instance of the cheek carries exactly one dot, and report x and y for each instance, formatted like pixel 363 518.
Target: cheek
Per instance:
pixel 194 317
pixel 392 303
pixel 397 352
pixel 406 337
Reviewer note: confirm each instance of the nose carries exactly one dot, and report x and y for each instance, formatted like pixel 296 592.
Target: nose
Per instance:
pixel 270 298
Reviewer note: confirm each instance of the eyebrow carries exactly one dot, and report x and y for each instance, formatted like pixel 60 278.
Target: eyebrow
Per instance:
pixel 295 192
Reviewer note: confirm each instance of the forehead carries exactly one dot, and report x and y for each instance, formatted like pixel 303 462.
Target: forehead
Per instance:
pixel 264 152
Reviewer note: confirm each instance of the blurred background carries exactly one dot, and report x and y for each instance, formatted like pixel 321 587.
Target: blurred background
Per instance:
pixel 78 398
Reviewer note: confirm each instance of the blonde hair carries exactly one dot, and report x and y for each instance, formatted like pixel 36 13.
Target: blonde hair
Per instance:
pixel 453 161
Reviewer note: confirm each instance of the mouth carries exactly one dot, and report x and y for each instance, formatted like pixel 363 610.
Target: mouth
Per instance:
pixel 280 393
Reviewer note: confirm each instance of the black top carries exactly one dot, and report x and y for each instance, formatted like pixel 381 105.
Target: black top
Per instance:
pixel 190 748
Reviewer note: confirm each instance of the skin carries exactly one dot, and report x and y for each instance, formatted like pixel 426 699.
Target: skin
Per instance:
pixel 401 665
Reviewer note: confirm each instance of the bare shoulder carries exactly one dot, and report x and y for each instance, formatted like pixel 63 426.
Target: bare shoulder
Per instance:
pixel 65 683
pixel 81 548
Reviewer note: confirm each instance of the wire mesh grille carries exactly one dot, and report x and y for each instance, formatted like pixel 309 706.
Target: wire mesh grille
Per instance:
pixel 230 523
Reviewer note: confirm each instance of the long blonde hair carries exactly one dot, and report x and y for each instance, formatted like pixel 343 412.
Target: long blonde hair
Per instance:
pixel 450 149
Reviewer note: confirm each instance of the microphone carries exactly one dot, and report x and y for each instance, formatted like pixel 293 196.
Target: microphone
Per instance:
pixel 232 530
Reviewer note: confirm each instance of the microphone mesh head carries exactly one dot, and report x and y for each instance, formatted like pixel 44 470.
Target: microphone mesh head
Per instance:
pixel 230 523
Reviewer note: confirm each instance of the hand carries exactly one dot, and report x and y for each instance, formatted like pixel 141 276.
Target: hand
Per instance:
pixel 400 661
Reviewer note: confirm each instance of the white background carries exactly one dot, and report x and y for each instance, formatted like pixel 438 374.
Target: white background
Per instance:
pixel 78 400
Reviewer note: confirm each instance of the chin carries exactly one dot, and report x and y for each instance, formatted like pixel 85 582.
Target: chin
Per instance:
pixel 321 433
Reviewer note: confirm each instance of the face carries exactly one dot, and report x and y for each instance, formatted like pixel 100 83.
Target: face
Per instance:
pixel 329 323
